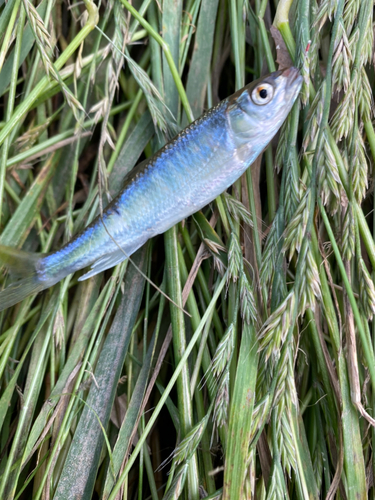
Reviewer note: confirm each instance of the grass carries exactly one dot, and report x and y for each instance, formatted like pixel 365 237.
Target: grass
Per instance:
pixel 243 366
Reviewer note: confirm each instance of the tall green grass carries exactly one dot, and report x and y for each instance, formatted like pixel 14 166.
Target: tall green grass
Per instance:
pixel 233 357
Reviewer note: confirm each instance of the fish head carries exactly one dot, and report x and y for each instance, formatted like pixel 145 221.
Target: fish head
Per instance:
pixel 257 111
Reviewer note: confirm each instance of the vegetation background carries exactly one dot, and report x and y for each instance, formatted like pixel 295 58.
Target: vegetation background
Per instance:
pixel 258 380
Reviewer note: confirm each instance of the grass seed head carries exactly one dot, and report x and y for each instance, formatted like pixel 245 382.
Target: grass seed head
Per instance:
pixel 274 330
pixel 286 443
pixel 365 98
pixel 220 415
pixel 237 209
pixel 248 306
pixel 326 11
pixel 188 446
pixel 292 197
pixel 366 290
pixel 343 119
pixel 295 231
pixel 267 268
pixel 348 234
pixel 260 415
pixel 359 166
pixel 177 486
pixel 311 288
pixel 235 259
pixel 350 14
pixel 276 491
pixel 282 144
pixel 223 353
pixel 314 118
pixel 342 62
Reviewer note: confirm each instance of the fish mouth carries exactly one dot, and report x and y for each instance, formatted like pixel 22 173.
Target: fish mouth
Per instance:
pixel 291 74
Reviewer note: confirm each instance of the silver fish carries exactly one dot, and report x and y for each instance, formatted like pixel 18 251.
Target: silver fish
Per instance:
pixel 185 175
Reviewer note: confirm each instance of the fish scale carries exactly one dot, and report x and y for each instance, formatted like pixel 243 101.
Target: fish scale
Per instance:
pixel 184 176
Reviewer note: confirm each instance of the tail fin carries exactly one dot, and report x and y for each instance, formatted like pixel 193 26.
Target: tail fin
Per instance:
pixel 21 265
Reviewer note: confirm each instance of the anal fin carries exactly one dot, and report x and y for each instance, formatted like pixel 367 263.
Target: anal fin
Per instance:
pixel 106 262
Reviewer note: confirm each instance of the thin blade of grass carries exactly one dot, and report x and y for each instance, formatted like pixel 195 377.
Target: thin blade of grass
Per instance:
pixel 80 467
pixel 199 70
pixel 39 344
pixel 5 15
pixel 132 149
pixel 21 222
pixel 28 41
pixel 81 339
pixel 240 416
pixel 124 443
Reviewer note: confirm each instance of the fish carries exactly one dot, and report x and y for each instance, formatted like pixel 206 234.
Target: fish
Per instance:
pixel 185 175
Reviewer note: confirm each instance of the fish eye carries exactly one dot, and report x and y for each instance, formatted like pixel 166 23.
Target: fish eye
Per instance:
pixel 262 94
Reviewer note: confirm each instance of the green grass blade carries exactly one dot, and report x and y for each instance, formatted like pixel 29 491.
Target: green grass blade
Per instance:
pixel 197 81
pixel 240 416
pixel 22 220
pixel 123 443
pixel 28 41
pixel 89 434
